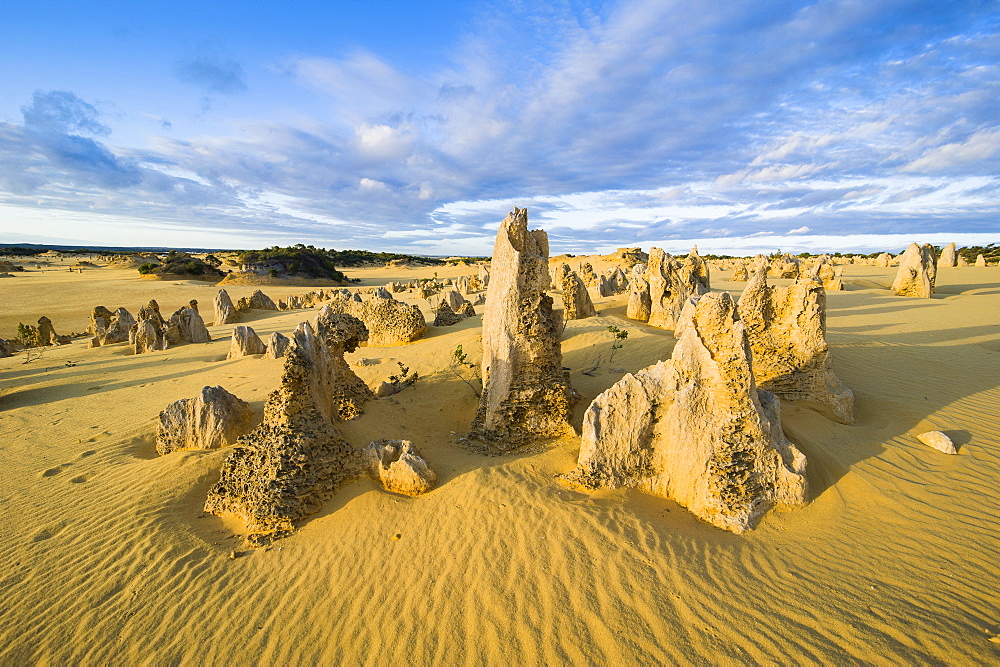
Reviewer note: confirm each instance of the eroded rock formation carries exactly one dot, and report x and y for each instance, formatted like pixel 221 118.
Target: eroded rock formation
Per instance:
pixel 631 256
pixel 949 256
pixel 695 274
pixel 186 326
pixel 225 311
pixel 277 345
pixel 389 322
pixel 825 273
pixel 917 272
pixel 786 327
pixel 215 418
pixel 695 428
pixel 639 302
pixel 256 301
pixel 290 464
pixel 785 266
pixel 526 394
pixel 107 328
pixel 444 316
pixel 587 275
pixel 451 296
pixel 245 342
pixel 668 289
pixel 398 467
pixel 149 333
pixel 577 303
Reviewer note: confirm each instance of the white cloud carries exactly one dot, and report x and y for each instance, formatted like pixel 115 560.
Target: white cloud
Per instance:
pixel 799 230
pixel 980 146
pixel 381 142
pixel 372 185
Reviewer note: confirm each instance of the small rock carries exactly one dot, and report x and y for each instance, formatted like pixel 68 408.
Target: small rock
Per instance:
pixel 938 441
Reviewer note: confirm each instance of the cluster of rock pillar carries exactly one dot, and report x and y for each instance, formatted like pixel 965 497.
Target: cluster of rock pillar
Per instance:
pixel 702 427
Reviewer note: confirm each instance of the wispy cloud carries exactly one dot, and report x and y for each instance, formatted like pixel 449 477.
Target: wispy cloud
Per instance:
pixel 634 121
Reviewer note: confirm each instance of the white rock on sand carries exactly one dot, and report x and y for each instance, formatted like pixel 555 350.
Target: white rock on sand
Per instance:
pixel 938 441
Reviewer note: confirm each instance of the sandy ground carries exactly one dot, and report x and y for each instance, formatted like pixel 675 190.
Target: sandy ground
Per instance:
pixel 107 558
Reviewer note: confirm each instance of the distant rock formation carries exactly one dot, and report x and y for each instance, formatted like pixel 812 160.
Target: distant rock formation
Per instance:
pixel 631 256
pixel 617 281
pixel 290 464
pixel 695 275
pixel 786 327
pixel 451 296
pixel 46 333
pixel 639 302
pixel 980 260
pixel 225 311
pixel 186 326
pixel 215 418
pixel 107 328
pixel 577 303
pixel 917 272
pixel 7 348
pixel 668 290
pixel 695 428
pixel 825 273
pixel 245 342
pixel 526 394
pixel 476 284
pixel 740 273
pixel 277 345
pixel 389 322
pixel 100 319
pixel 587 275
pixel 444 316
pixel 949 256
pixel 256 301
pixel 149 333
pixel 785 266
pixel 883 260
pixel 398 467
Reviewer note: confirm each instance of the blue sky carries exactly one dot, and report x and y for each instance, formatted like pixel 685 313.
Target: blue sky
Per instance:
pixel 415 127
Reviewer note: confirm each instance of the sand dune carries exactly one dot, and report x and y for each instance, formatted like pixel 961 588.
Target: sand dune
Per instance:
pixel 108 557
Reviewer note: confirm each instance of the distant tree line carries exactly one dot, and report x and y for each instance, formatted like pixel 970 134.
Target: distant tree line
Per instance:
pixel 180 263
pixel 970 253
pixel 313 261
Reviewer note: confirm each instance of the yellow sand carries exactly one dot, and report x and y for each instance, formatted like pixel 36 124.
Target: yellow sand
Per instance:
pixel 106 557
